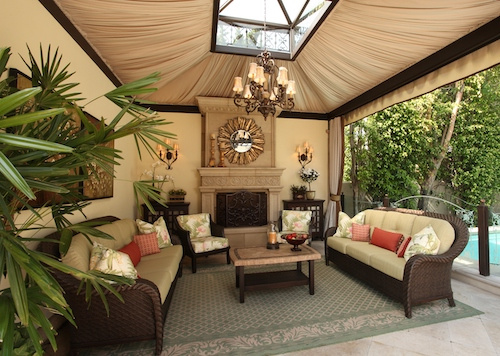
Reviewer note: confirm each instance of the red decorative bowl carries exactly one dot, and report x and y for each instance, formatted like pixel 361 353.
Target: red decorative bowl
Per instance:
pixel 296 240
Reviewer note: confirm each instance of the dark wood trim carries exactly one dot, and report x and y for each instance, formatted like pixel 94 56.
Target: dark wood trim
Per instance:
pixel 315 28
pixel 475 40
pixel 63 20
pixel 303 115
pixel 215 20
pixel 173 108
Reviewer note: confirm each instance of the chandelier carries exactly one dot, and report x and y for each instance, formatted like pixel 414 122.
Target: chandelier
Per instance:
pixel 268 85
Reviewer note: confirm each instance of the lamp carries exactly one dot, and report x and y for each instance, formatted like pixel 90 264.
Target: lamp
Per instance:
pixel 268 85
pixel 167 155
pixel 304 154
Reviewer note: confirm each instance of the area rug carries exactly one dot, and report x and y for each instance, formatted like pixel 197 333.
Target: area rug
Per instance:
pixel 206 318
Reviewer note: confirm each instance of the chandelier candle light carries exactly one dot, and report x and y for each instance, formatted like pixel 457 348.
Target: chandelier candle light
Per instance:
pixel 269 85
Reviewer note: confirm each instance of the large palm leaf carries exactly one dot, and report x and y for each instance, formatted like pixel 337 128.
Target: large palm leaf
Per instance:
pixel 39 148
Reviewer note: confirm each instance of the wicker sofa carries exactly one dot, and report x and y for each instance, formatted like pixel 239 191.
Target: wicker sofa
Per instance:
pixel 142 314
pixel 423 277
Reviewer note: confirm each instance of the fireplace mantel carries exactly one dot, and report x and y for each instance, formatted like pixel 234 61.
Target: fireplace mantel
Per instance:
pixel 214 180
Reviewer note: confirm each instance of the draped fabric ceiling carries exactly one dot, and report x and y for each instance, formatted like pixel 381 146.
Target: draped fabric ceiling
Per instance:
pixel 360 44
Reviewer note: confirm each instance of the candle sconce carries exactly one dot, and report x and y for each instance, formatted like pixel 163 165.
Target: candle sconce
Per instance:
pixel 304 154
pixel 167 155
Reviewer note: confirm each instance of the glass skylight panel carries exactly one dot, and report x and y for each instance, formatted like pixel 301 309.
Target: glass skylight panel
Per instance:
pixel 240 27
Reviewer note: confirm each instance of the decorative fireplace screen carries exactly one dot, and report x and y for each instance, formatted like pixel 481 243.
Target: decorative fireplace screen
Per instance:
pixel 241 209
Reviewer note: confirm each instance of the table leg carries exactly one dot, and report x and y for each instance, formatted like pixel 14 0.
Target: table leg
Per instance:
pixel 299 266
pixel 241 277
pixel 311 277
pixel 237 277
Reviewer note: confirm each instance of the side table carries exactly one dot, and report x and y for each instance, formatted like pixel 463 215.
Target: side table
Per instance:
pixel 169 213
pixel 316 206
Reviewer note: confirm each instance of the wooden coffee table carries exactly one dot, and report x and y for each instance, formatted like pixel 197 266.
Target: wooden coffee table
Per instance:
pixel 259 256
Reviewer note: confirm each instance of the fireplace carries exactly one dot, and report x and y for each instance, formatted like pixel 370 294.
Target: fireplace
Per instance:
pixel 241 209
pixel 220 182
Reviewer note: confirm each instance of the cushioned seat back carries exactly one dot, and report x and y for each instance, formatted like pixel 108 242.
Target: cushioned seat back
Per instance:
pixel 374 218
pixel 198 225
pixel 78 255
pixel 296 220
pixel 398 222
pixel 443 229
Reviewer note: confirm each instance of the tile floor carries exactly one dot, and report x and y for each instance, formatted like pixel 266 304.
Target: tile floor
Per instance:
pixel 479 335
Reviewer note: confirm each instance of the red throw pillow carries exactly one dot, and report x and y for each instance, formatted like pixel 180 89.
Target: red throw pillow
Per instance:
pixel 403 246
pixel 386 239
pixel 148 243
pixel 134 252
pixel 360 232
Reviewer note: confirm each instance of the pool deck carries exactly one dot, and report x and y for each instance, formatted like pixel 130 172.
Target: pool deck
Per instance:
pixel 468 272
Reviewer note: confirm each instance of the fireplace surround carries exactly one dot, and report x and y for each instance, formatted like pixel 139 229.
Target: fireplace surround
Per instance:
pixel 229 180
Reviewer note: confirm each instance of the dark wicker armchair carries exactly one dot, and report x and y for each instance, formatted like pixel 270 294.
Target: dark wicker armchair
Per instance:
pixel 186 235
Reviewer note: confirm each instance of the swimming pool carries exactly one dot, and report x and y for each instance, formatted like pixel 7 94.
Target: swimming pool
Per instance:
pixel 471 251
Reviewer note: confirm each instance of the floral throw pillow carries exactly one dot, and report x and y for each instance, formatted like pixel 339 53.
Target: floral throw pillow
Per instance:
pixel 160 227
pixel 344 228
pixel 96 254
pixel 117 263
pixel 424 242
pixel 198 225
pixel 296 220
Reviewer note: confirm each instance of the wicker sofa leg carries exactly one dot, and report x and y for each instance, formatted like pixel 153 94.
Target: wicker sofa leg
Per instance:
pixel 228 260
pixel 407 310
pixel 451 301
pixel 193 264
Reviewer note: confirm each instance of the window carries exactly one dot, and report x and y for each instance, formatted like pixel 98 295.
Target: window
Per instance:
pixel 288 25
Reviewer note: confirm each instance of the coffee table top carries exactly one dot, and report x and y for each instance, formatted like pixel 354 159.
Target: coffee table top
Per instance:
pixel 261 255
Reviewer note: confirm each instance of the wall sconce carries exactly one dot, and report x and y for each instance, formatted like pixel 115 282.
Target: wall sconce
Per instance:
pixel 166 155
pixel 304 154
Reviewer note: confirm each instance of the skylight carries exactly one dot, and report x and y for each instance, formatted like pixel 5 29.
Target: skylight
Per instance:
pixel 289 24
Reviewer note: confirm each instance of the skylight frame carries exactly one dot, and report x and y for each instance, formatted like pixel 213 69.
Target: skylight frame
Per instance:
pixel 295 49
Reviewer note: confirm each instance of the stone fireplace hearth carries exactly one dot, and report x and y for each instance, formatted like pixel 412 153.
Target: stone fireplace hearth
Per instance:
pixel 225 180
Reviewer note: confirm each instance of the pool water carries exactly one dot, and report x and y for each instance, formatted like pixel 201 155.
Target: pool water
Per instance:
pixel 471 251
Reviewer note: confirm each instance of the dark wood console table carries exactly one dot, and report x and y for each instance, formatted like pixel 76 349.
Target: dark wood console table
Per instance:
pixel 169 213
pixel 316 206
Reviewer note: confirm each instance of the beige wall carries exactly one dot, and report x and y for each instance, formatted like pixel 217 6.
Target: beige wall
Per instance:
pixel 27 22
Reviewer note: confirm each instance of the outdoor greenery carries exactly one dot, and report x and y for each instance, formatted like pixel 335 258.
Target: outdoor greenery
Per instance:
pixel 47 144
pixel 447 138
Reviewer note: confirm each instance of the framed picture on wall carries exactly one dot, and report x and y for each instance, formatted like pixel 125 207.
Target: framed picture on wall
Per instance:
pixel 100 183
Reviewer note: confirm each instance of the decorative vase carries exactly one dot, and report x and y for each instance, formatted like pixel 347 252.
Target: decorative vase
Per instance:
pixel 298 196
pixel 310 194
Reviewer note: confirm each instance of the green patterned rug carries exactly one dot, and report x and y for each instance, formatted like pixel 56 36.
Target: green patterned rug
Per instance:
pixel 206 318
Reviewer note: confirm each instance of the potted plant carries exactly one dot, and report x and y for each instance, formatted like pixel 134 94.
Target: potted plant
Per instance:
pixel 45 138
pixel 176 195
pixel 309 175
pixel 298 192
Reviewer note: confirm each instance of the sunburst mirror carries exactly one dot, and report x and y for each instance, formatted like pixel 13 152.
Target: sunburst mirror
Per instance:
pixel 241 140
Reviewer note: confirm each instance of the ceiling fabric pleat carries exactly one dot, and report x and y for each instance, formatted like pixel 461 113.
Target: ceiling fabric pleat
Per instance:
pixel 473 63
pixel 360 44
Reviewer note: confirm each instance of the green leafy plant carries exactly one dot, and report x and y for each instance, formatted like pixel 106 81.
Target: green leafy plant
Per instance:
pixel 44 148
pixel 298 189
pixel 177 192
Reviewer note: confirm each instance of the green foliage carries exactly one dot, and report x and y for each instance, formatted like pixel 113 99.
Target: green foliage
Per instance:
pixel 472 168
pixel 395 149
pixel 47 144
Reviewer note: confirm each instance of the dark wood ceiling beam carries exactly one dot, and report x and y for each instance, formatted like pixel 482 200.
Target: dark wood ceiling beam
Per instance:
pixel 63 20
pixel 475 40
